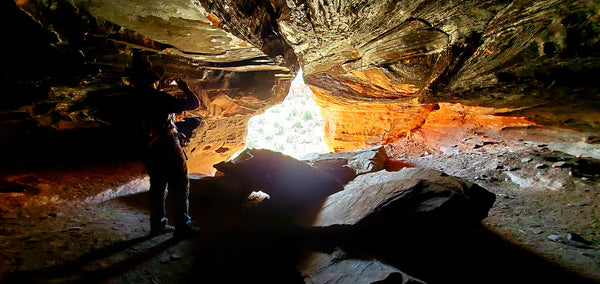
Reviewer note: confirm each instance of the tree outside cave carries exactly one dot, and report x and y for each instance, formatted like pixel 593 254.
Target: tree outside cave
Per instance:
pixel 294 127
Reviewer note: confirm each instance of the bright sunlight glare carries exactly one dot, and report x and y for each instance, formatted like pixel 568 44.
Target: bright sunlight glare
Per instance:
pixel 294 127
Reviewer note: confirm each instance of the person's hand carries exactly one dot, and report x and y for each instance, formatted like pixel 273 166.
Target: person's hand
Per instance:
pixel 181 84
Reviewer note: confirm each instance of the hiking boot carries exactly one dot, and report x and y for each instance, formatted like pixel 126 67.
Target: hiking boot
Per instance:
pixel 186 231
pixel 161 230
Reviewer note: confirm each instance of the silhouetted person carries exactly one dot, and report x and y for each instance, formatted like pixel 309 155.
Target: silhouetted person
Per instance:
pixel 164 158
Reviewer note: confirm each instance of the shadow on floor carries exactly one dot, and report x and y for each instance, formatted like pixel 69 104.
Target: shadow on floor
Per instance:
pixel 264 246
pixel 261 245
pixel 470 255
pixel 83 270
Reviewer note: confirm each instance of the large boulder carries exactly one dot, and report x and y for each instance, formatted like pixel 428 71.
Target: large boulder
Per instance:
pixel 289 182
pixel 315 198
pixel 409 196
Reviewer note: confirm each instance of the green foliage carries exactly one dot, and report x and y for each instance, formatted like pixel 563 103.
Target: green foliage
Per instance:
pixel 292 127
pixel 307 115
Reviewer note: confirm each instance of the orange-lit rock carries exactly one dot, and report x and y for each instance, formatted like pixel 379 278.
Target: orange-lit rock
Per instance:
pixel 379 80
pixel 350 125
pixel 384 71
pixel 224 119
pixel 216 140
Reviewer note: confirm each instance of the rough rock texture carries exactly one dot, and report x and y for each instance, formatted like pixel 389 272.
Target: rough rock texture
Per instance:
pixel 361 161
pixel 409 196
pixel 337 267
pixel 256 22
pixel 315 198
pixel 497 52
pixel 354 125
pixel 68 79
pixel 382 70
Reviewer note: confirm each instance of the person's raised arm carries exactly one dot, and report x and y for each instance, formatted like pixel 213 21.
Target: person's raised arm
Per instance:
pixel 191 99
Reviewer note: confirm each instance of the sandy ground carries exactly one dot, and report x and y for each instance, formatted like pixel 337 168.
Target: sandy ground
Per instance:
pixel 90 224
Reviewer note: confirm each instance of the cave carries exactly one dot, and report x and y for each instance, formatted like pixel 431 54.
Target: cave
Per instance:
pixel 463 141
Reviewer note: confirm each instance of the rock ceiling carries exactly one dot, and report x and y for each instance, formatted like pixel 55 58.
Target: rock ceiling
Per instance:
pixel 380 70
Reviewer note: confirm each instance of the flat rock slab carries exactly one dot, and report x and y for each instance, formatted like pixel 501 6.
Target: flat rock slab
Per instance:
pixel 318 267
pixel 406 195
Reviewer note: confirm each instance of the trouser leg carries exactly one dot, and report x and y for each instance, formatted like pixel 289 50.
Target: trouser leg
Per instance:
pixel 179 198
pixel 158 186
pixel 179 190
pixel 167 165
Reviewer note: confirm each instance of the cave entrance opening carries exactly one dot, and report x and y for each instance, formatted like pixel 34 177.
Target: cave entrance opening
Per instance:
pixel 294 127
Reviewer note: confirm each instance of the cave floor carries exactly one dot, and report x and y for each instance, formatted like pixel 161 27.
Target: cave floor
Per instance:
pixel 65 226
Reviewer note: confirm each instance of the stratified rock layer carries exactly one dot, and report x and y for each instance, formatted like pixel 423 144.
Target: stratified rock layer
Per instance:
pixel 382 70
pixel 372 72
pixel 75 57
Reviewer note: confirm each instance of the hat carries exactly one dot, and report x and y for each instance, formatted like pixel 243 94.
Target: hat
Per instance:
pixel 143 72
